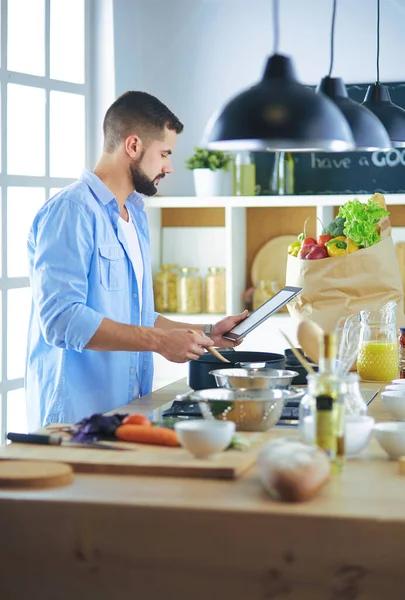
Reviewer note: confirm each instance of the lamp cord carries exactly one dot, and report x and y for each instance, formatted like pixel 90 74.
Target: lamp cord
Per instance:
pixel 378 41
pixel 332 38
pixel 276 25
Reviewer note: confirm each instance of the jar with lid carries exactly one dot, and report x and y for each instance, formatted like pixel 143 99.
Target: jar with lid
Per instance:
pixel 189 291
pixel 401 344
pixel 264 291
pixel 165 289
pixel 215 294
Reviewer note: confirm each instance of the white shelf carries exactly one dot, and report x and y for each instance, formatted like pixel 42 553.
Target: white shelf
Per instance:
pixel 262 201
pixel 234 231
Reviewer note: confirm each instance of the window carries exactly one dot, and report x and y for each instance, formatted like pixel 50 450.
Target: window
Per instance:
pixel 43 94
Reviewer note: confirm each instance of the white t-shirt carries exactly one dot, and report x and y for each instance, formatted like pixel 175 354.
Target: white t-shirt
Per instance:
pixel 131 237
pixel 134 250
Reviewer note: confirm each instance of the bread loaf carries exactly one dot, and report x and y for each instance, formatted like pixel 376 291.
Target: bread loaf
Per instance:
pixel 292 471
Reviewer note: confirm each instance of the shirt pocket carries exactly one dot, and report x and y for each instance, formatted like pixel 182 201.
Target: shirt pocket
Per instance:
pixel 113 266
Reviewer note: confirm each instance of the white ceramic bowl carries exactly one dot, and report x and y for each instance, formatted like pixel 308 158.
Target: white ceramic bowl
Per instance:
pixel 204 437
pixel 357 432
pixel 399 381
pixel 391 437
pixel 394 402
pixel 395 387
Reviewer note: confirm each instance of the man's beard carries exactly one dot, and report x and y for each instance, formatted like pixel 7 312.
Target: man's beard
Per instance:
pixel 141 181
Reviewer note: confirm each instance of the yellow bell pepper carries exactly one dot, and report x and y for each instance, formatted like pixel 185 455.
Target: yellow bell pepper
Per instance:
pixel 340 245
pixel 351 246
pixel 294 248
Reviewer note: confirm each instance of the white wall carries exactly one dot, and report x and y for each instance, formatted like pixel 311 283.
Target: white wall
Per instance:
pixel 195 54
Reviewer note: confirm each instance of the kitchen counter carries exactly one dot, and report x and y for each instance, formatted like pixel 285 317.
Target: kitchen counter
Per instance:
pixel 159 537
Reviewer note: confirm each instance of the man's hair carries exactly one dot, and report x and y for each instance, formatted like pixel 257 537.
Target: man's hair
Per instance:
pixel 137 113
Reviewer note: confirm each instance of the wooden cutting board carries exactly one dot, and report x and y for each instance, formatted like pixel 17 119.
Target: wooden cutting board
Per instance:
pixel 270 263
pixel 143 459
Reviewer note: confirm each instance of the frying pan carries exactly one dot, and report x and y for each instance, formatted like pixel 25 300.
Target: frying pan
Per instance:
pixel 198 370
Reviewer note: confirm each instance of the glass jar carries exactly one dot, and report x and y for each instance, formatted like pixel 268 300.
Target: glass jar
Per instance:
pixel 264 291
pixel 215 294
pixel 165 289
pixel 189 291
pixel 353 400
pixel 244 180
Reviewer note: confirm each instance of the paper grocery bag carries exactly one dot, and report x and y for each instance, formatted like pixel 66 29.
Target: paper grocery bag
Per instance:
pixel 340 286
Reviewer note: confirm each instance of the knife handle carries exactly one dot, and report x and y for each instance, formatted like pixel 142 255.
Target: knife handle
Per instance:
pixel 34 438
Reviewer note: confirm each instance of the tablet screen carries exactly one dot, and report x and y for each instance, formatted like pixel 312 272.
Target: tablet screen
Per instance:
pixel 263 312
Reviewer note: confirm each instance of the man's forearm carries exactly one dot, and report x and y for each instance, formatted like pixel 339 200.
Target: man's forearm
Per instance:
pixel 163 323
pixel 111 335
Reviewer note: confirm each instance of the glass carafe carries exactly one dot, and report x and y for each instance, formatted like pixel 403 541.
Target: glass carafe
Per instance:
pixel 378 347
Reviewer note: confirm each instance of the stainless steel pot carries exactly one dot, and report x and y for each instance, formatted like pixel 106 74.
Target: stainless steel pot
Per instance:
pixel 199 377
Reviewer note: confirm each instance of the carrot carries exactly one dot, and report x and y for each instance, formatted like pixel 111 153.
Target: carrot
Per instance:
pixel 145 434
pixel 136 420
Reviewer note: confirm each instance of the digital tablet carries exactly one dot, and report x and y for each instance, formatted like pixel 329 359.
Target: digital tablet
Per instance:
pixel 262 313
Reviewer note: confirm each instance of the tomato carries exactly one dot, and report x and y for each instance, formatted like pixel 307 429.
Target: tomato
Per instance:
pixel 322 239
pixel 307 241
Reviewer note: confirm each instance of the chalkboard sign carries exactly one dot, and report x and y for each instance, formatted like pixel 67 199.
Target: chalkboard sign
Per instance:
pixel 342 173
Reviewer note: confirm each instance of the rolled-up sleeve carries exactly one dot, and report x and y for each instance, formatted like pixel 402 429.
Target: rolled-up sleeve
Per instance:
pixel 62 243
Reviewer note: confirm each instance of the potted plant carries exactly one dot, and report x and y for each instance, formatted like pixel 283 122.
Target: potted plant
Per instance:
pixel 210 169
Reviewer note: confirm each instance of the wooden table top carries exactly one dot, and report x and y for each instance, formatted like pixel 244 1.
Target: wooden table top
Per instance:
pixel 357 492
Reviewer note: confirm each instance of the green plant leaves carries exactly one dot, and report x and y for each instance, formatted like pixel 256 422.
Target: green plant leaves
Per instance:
pixel 208 159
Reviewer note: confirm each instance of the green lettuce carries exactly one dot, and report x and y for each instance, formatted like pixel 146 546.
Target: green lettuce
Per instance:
pixel 361 219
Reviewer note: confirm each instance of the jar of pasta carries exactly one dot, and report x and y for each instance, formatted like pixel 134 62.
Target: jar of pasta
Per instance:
pixel 215 296
pixel 189 291
pixel 165 289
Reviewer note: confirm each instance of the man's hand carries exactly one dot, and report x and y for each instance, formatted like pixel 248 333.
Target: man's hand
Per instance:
pixel 224 326
pixel 181 345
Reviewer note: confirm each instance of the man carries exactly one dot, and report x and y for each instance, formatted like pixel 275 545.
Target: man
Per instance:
pixel 93 326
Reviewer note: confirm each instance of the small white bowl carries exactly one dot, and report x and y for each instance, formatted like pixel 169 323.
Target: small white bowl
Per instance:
pixel 391 437
pixel 394 402
pixel 399 381
pixel 395 387
pixel 357 432
pixel 204 437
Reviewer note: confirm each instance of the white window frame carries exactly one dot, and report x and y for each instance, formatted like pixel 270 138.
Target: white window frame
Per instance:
pixel 47 182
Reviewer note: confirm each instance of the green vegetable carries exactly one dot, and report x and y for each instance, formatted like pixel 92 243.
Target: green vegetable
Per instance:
pixel 336 228
pixel 239 442
pixel 301 237
pixel 361 220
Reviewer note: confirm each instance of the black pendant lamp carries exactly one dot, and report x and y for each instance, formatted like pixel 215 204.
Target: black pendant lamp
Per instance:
pixel 279 113
pixel 378 100
pixel 368 131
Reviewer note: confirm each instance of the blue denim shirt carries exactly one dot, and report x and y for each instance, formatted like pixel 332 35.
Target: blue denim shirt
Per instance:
pixel 80 272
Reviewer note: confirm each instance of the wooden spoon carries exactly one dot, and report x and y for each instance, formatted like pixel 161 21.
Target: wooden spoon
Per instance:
pixel 214 351
pixel 217 354
pixel 309 336
pixel 301 359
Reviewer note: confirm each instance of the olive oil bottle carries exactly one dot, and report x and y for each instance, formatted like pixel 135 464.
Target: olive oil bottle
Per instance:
pixel 329 405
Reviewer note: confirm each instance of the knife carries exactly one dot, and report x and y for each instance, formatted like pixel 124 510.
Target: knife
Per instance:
pixel 56 440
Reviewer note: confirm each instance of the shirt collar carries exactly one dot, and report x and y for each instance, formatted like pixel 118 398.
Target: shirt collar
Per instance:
pixel 103 193
pixel 136 199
